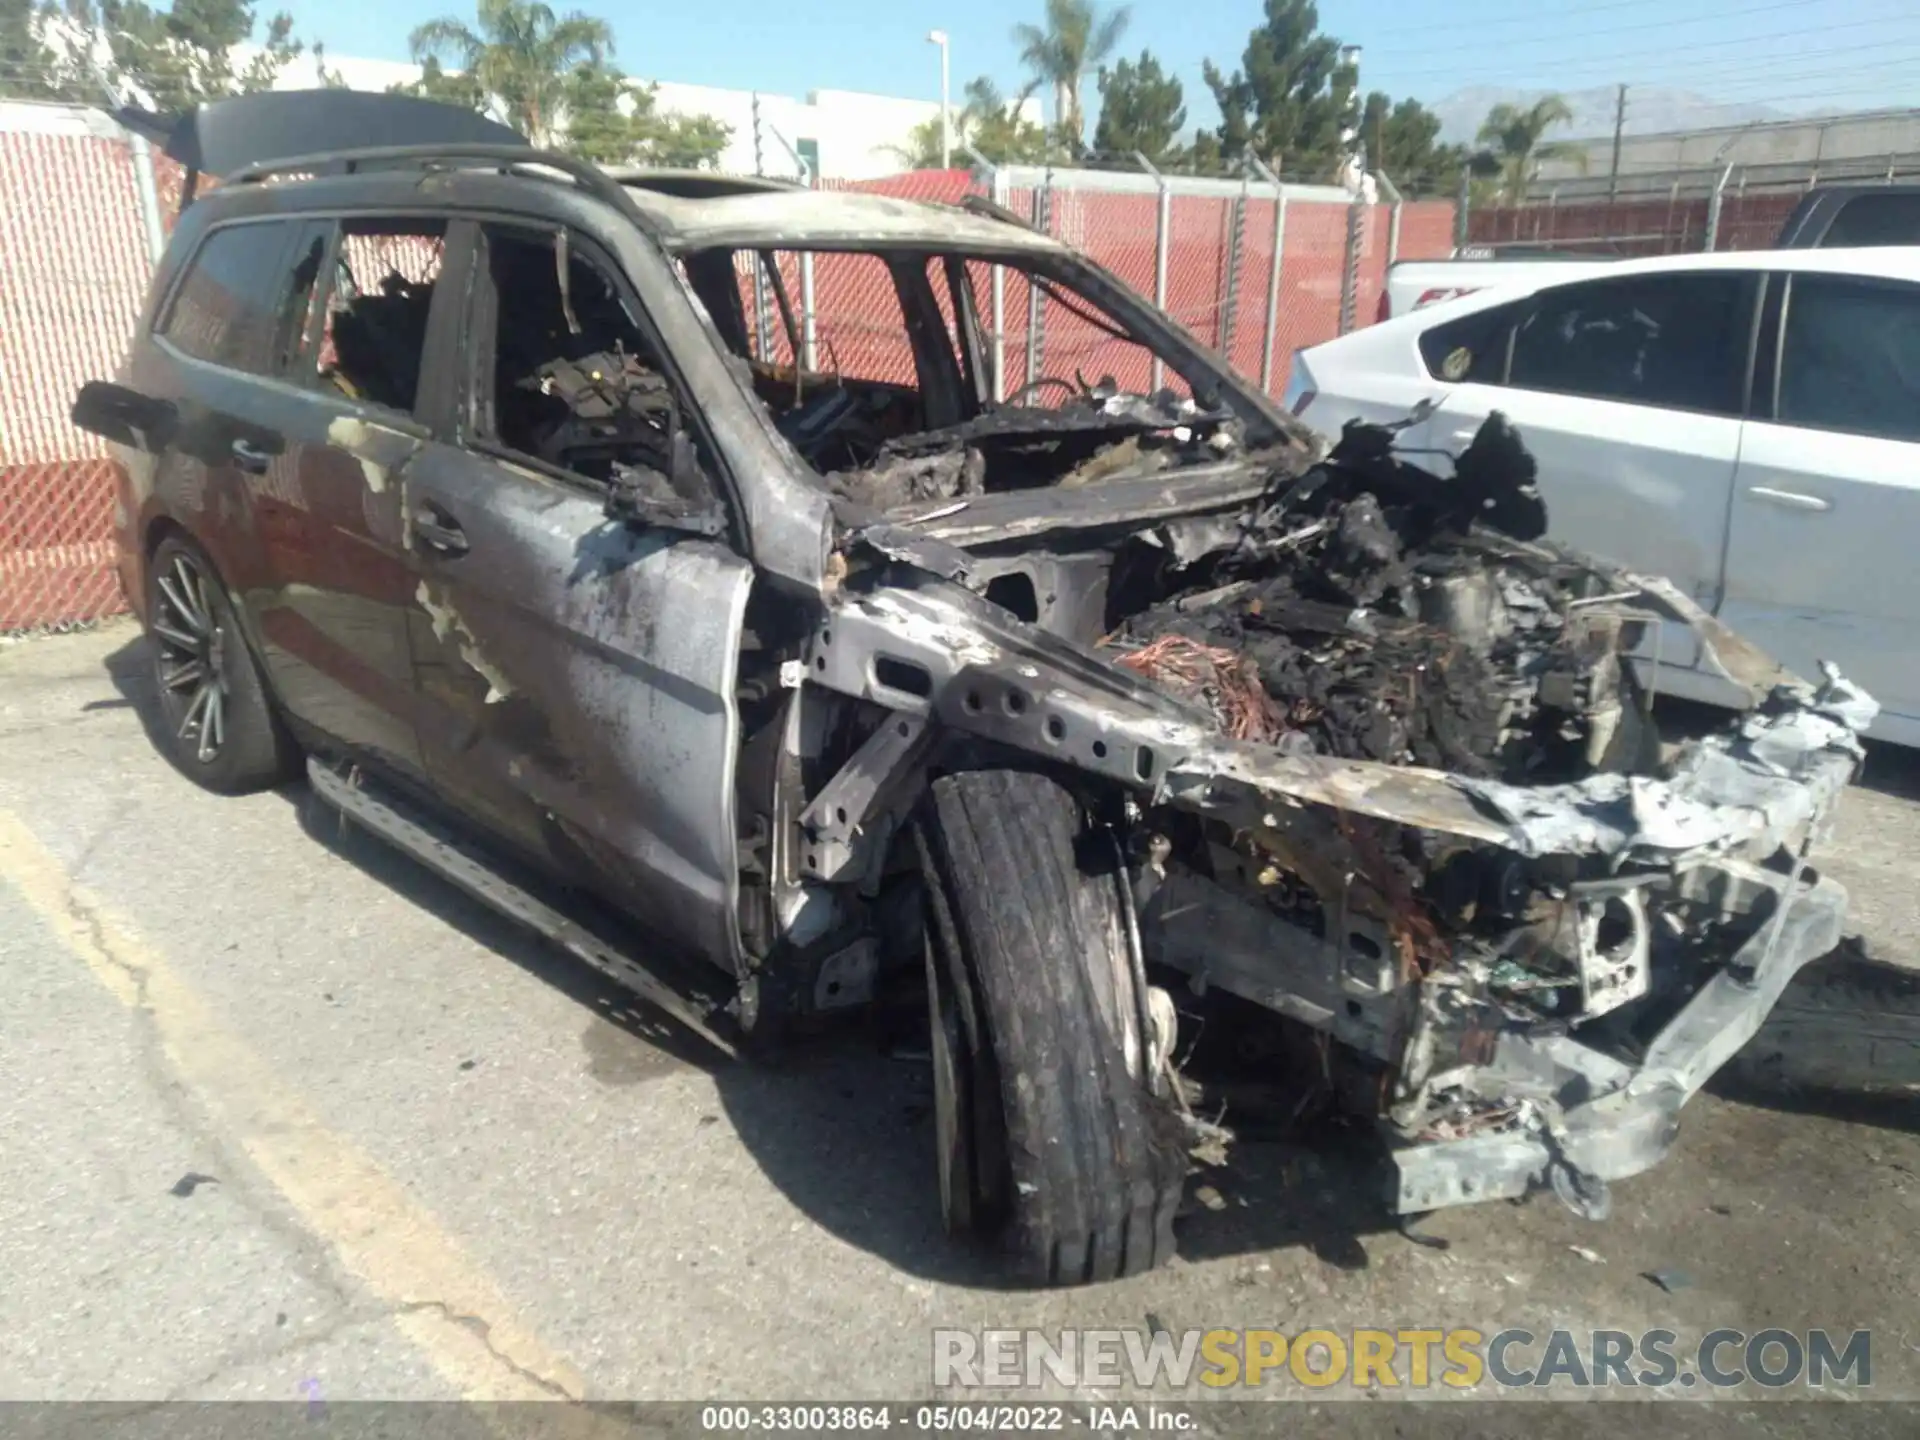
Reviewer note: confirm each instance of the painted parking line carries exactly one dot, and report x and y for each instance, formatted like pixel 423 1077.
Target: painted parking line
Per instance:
pixel 442 1300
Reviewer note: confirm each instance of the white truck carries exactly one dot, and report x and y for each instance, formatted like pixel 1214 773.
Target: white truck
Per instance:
pixel 1414 284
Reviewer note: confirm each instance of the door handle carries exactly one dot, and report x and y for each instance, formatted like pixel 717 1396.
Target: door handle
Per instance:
pixel 1789 499
pixel 250 457
pixel 437 530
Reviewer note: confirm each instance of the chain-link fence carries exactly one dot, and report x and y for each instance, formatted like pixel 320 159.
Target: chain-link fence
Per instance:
pixel 74 261
pixel 1253 268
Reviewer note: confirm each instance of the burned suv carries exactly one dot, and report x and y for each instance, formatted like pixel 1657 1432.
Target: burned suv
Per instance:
pixel 781 598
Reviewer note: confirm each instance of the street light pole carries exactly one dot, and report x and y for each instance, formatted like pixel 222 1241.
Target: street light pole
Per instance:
pixel 1351 131
pixel 939 37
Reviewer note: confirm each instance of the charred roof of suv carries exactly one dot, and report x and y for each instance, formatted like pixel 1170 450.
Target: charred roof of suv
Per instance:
pixel 298 134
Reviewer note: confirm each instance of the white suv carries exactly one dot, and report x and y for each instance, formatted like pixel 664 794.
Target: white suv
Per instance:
pixel 1746 424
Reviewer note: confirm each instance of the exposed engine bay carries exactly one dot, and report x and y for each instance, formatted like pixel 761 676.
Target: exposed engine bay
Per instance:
pixel 1375 754
pixel 1363 614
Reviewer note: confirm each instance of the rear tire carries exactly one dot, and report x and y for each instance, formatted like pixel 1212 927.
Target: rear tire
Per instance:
pixel 1049 1138
pixel 216 724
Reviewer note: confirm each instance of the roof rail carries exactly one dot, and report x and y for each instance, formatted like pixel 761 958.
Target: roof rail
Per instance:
pixel 697 184
pixel 994 210
pixel 223 137
pixel 588 176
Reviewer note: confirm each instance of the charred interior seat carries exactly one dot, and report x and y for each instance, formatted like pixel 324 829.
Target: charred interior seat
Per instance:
pixel 377 339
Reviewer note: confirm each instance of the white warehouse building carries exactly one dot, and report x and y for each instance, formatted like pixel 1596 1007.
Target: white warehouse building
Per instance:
pixel 844 134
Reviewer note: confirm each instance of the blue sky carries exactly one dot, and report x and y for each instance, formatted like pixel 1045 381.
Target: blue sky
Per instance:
pixel 1797 54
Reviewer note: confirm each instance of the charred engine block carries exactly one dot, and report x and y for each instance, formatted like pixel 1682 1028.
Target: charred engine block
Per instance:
pixel 1367 612
pixel 1556 664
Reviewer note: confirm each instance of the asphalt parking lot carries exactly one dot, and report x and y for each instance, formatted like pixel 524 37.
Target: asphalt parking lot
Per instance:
pixel 281 1115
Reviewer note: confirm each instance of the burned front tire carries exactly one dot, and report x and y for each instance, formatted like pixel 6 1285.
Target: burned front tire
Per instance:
pixel 1050 1134
pixel 216 722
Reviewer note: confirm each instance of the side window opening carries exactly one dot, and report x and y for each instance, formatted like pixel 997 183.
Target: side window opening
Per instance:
pixel 374 332
pixel 840 387
pixel 1074 346
pixel 1850 360
pixel 1471 350
pixel 568 377
pixel 1672 341
pixel 301 297
pixel 891 395
pixel 223 309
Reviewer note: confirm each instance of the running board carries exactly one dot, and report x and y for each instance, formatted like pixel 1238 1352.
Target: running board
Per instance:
pixel 460 862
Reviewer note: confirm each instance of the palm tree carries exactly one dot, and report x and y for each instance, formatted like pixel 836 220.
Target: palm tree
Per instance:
pixel 1077 38
pixel 991 123
pixel 1515 137
pixel 520 56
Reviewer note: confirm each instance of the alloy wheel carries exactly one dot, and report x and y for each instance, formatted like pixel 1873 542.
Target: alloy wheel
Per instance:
pixel 191 657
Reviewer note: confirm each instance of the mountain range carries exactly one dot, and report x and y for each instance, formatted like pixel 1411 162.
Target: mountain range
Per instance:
pixel 1651 110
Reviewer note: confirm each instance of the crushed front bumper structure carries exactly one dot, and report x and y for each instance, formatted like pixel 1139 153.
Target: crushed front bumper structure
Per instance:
pixel 1597 1118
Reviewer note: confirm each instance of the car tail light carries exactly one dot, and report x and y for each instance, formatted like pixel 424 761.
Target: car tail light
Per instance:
pixel 1434 297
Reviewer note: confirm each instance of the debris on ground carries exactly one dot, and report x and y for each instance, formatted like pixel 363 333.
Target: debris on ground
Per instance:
pixel 190 1182
pixel 1671 1281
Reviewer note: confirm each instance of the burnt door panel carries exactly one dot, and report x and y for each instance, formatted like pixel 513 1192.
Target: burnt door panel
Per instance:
pixel 334 617
pixel 210 346
pixel 576 681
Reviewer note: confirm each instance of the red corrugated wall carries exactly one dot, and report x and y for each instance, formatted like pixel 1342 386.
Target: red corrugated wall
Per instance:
pixel 1657 226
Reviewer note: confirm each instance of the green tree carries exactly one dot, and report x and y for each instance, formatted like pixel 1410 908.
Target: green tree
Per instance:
pixel 1076 37
pixel 330 79
pixel 1403 140
pixel 1515 136
pixel 29 67
pixel 449 87
pixel 173 59
pixel 522 58
pixel 992 124
pixel 550 77
pixel 688 142
pixel 1286 102
pixel 1140 109
pixel 612 120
